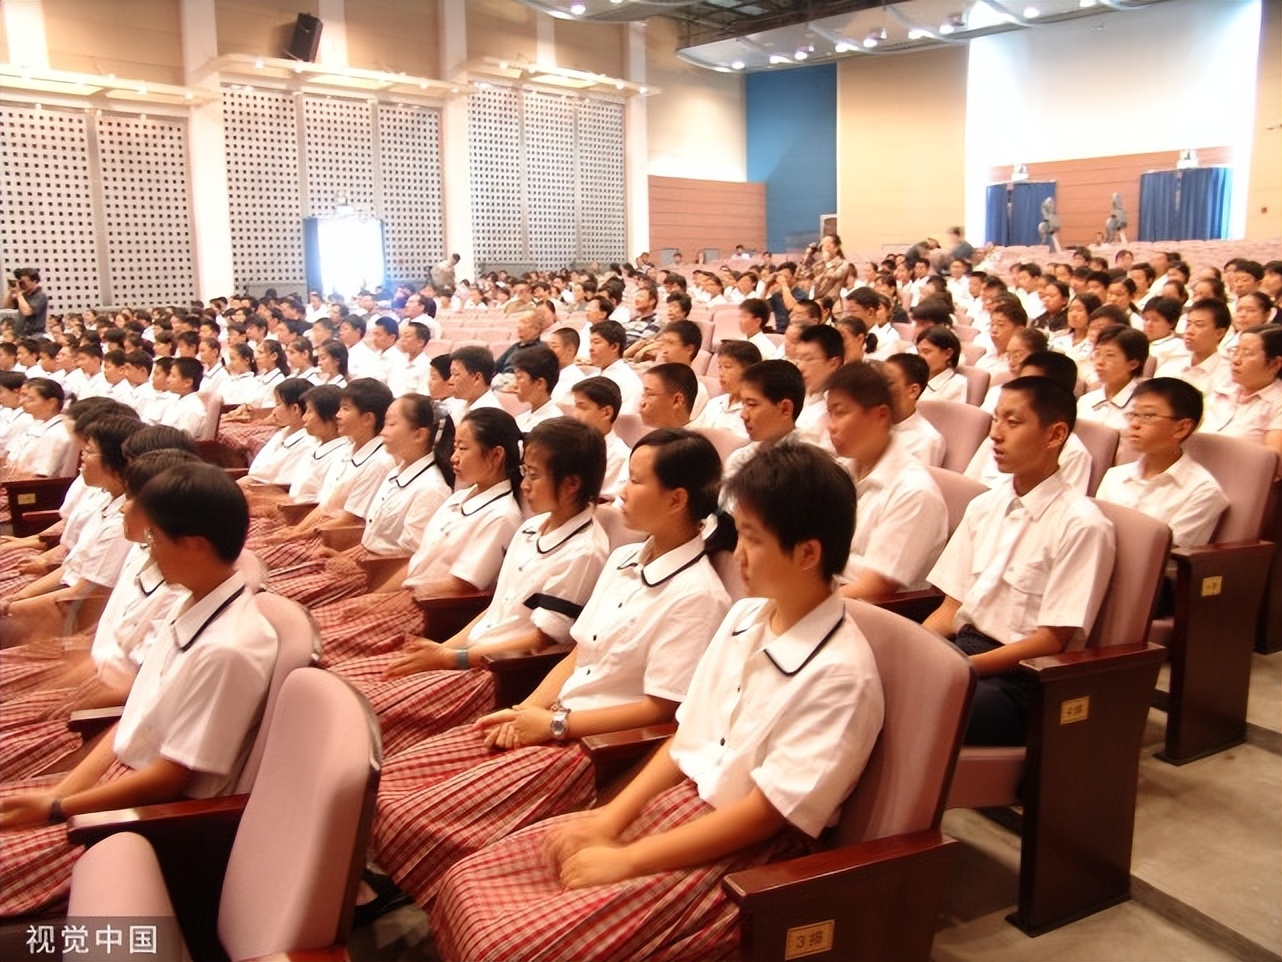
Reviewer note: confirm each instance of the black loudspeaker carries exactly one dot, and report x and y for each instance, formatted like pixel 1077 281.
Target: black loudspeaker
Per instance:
pixel 306 40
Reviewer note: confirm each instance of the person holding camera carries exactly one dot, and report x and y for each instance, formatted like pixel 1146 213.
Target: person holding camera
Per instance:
pixel 30 301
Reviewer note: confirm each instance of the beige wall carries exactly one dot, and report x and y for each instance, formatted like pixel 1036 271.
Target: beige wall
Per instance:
pixel 1264 195
pixel 395 35
pixel 500 28
pixel 137 39
pixel 696 127
pixel 899 170
pixel 262 28
pixel 596 48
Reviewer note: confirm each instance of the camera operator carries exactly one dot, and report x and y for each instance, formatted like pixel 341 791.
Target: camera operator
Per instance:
pixel 31 302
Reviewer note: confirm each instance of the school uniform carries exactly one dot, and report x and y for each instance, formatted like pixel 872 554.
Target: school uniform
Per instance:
pixel 42 449
pixel 187 413
pixel 901 520
pixel 1016 563
pixel 267 381
pixel 641 634
pixel 461 409
pixel 1185 497
pixel 278 459
pixel 363 361
pixel 1075 464
pixel 887 341
pixel 1233 412
pixel 629 385
pixel 723 413
pixel 812 421
pixel 1167 350
pixel 243 388
pixel 743 455
pixel 214 378
pixel 99 552
pixel 527 420
pixel 1208 375
pixel 13 421
pixel 566 378
pixel 410 376
pixel 794 716
pixel 947 385
pixel 196 702
pixel 617 456
pixel 310 473
pixel 920 439
pixel 764 344
pixel 1096 406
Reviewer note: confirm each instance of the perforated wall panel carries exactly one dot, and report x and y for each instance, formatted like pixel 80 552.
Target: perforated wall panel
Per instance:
pixel 340 154
pixel 494 143
pixel 46 197
pixel 409 147
pixel 550 179
pixel 263 187
pixel 599 148
pixel 146 209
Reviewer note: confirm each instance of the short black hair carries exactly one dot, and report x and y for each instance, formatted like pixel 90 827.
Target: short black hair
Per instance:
pixel 190 369
pixel 862 383
pixel 1166 307
pixel 944 339
pixel 1051 401
pixel 568 336
pixel 475 360
pixel 1012 310
pixel 687 460
pixel 828 339
pixel 572 449
pixel 933 310
pixel 687 332
pixel 324 400
pixel 355 322
pixel 198 501
pixel 1183 398
pixel 757 308
pixel 743 353
pixel 602 392
pixel 48 389
pixel 158 437
pixel 291 390
pixel 12 380
pixel 612 332
pixel 1060 368
pixel 1219 311
pixel 540 363
pixel 914 369
pixel 1133 343
pixel 369 396
pixel 677 377
pixel 783 485
pixel 110 432
pixel 779 381
pixel 143 467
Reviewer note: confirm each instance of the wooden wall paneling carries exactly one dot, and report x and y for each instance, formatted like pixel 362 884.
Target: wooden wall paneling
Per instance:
pixel 695 214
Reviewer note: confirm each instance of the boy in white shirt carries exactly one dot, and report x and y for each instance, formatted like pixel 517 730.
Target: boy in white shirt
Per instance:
pixel 536 371
pixel 908 375
pixel 606 344
pixel 772 393
pixel 1161 316
pixel 187 411
pixel 596 402
pixel 820 352
pixel 1025 572
pixel 725 410
pixel 1202 364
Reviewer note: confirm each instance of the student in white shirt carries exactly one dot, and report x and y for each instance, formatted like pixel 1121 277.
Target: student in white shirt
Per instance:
pixel 191 713
pixel 754 315
pixel 277 461
pixel 901 518
pixel 1119 358
pixel 596 403
pixel 331 364
pixel 210 355
pixel 1161 316
pixel 410 376
pixel 240 386
pixel 564 342
pixel 941 349
pixel 906 375
pixel 40 451
pixel 1164 482
pixel 187 411
pixel 778 722
pixel 1202 364
pixel 388 358
pixel 874 310
pixel 819 353
pixel 606 343
pixel 667 395
pixel 320 420
pixel 13 420
pixel 536 371
pixel 1077 342
pixel 679 342
pixel 724 411
pixel 302 362
pixel 471 372
pixel 773 392
pixel 1025 572
pixel 362 361
pixel 1251 407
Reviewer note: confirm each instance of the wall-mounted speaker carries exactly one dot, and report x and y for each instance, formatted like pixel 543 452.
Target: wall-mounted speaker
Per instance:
pixel 306 40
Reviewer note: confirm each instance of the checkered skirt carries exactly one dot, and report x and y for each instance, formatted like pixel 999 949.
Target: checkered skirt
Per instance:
pixel 12 580
pixel 504 904
pixel 322 581
pixel 370 624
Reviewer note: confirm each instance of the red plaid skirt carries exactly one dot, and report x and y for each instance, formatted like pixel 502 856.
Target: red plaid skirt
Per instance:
pixel 35 728
pixel 284 554
pixel 419 706
pixel 12 580
pixel 35 863
pixel 420 834
pixel 322 581
pixel 504 904
pixel 366 625
pixel 246 437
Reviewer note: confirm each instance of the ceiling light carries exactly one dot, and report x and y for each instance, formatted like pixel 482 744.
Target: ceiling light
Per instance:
pixel 870 42
pixel 1086 4
pixel 801 55
pixel 777 59
pixel 842 48
pixel 916 34
pixel 737 65
pixel 578 9
pixel 1031 13
pixel 945 28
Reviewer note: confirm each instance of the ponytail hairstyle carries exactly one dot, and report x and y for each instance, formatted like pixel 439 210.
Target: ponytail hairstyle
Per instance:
pixel 278 355
pixel 243 350
pixel 495 428
pixel 420 411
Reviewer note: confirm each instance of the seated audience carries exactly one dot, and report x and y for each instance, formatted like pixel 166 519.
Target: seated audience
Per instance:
pixel 1202 364
pixel 772 394
pixel 596 403
pixel 1251 406
pixel 725 411
pixel 1119 358
pixel 941 349
pixel 905 375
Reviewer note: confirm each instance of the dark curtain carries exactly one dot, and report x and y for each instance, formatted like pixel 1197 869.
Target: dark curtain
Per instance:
pixel 1204 203
pixel 1159 197
pixel 998 215
pixel 1026 211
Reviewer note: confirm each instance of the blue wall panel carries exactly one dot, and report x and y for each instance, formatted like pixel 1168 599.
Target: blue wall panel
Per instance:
pixel 792 149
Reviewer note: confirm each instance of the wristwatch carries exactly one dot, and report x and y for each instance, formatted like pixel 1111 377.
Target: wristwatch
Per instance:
pixel 560 724
pixel 55 812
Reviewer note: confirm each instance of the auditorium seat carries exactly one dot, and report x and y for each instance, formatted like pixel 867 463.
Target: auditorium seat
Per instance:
pixel 725 441
pixel 1101 441
pixel 964 427
pixel 958 491
pixel 292 870
pixel 976 384
pixel 630 428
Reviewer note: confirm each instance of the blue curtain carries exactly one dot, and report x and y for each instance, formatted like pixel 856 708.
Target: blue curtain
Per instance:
pixel 1159 192
pixel 1204 203
pixel 998 215
pixel 1026 211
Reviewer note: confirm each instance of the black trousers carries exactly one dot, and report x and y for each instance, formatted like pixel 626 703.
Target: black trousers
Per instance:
pixel 999 711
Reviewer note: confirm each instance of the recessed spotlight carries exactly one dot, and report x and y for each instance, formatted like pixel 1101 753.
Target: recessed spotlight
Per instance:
pixel 578 9
pixel 800 55
pixel 737 65
pixel 870 42
pixel 645 90
pixel 843 48
pixel 1086 4
pixel 916 34
pixel 945 28
pixel 258 62
pixel 1031 13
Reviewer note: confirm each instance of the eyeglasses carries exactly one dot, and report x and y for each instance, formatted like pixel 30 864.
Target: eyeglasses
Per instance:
pixel 1148 417
pixel 530 473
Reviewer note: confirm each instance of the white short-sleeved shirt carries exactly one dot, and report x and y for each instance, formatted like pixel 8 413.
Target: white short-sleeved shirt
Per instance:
pixel 409 377
pixel 743 455
pixel 920 439
pixel 99 552
pixel 267 382
pixel 13 421
pixel 761 341
pixel 363 361
pixel 547 577
pixel 200 692
pixel 527 420
pixel 901 520
pixel 214 378
pixel 1168 349
pixel 566 378
pixel 812 421
pixel 367 467
pixel 887 341
pixel 42 448
pixel 1019 563
pixel 461 409
pixel 402 507
pixel 1231 411
pixel 617 454
pixel 80 502
pixel 724 413
pixel 629 385
pixel 467 538
pixel 243 388
pixel 310 474
pixel 1185 496
pixel 795 715
pixel 947 385
pixel 1209 376
pixel 1074 465
pixel 280 457
pixel 130 619
pixel 187 413
pixel 645 627
pixel 1094 406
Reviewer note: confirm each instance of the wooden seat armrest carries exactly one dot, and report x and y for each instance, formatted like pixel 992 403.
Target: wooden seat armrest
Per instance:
pixel 236 473
pixel 90 721
pixel 913 605
pixel 450 614
pixel 45 518
pixel 626 745
pixel 56 487
pixel 294 513
pixel 378 568
pixel 1070 665
pixel 870 901
pixel 192 817
pixel 342 537
pixel 518 673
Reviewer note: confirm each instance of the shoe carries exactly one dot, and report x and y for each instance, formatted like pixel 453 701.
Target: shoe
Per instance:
pixel 387 897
